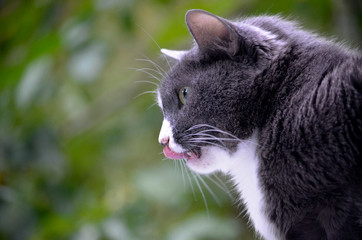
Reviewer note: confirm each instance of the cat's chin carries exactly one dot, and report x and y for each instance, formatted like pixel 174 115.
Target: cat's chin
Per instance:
pixel 212 159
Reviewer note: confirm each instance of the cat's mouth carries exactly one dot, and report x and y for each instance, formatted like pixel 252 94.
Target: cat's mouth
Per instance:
pixel 167 151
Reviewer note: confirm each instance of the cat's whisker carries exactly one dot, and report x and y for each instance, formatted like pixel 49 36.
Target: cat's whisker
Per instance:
pixel 209 136
pixel 214 140
pixel 218 139
pixel 211 140
pixel 151 70
pixel 219 184
pixel 149 35
pixel 197 126
pixel 200 134
pixel 143 93
pixel 209 189
pixel 152 76
pixel 205 137
pixel 182 172
pixel 205 142
pixel 158 67
pixel 152 105
pixel 175 165
pixel 150 82
pixel 194 145
pixel 208 129
pixel 183 162
pixel 201 191
pixel 217 130
pixel 204 125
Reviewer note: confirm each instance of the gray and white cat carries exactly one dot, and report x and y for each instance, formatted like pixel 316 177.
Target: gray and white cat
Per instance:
pixel 279 110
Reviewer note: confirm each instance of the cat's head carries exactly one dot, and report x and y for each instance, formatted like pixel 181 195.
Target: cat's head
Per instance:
pixel 209 98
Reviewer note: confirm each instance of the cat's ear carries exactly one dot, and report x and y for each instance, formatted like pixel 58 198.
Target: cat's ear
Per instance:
pixel 175 54
pixel 210 31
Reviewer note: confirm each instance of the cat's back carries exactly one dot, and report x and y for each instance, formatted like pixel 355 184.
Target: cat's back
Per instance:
pixel 312 155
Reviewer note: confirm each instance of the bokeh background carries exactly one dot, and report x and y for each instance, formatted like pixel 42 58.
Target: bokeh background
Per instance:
pixel 79 157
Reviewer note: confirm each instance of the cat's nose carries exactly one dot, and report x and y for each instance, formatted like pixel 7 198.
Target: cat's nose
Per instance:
pixel 164 141
pixel 165 133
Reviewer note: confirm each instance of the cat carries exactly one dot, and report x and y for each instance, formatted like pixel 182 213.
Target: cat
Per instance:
pixel 278 109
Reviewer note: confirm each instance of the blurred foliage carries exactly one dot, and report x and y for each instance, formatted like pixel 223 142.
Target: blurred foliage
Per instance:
pixel 79 157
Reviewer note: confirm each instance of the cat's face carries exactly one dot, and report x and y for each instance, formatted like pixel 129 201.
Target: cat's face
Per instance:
pixel 208 98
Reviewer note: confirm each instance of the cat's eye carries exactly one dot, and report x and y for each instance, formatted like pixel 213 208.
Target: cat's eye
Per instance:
pixel 183 94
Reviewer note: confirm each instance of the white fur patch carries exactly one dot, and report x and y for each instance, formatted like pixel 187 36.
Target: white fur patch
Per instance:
pixel 175 54
pixel 159 100
pixel 242 166
pixel 166 132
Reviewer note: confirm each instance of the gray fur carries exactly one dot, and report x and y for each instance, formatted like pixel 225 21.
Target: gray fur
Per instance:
pixel 304 96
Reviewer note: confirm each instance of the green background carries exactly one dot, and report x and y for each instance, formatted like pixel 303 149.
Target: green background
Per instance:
pixel 79 157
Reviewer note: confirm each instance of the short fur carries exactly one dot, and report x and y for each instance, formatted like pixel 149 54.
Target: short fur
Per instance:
pixel 301 94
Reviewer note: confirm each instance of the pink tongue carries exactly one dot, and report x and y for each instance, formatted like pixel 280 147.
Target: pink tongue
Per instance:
pixel 173 155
